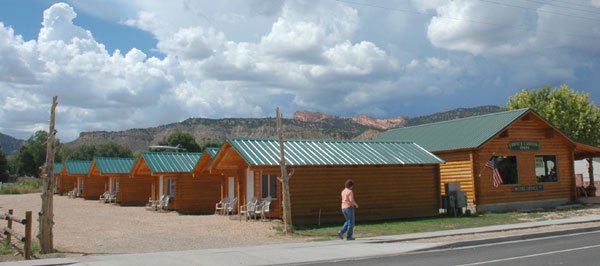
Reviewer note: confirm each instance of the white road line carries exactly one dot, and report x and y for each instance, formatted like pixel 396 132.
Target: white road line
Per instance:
pixel 528 256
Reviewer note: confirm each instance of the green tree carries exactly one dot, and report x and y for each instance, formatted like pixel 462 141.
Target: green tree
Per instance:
pixel 3 167
pixel 89 151
pixel 184 140
pixel 570 111
pixel 32 155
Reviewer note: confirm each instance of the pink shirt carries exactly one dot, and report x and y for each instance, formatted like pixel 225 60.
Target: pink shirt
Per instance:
pixel 347 198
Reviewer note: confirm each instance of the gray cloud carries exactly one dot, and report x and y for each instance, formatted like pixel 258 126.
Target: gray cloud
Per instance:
pixel 243 58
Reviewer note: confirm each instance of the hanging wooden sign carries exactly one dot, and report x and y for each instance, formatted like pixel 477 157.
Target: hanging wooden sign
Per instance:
pixel 524 145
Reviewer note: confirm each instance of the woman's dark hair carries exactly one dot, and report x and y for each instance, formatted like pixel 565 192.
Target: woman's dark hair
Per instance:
pixel 349 183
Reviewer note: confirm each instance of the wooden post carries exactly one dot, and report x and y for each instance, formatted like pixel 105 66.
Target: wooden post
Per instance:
pixel 288 226
pixel 46 218
pixel 27 248
pixel 591 187
pixel 9 226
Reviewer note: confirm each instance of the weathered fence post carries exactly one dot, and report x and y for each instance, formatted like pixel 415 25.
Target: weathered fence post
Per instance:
pixel 28 235
pixel 9 226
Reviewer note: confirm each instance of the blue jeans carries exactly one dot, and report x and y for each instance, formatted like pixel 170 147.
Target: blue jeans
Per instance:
pixel 349 224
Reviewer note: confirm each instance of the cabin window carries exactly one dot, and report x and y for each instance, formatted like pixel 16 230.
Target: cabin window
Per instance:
pixel 507 166
pixel 171 187
pixel 545 168
pixel 269 186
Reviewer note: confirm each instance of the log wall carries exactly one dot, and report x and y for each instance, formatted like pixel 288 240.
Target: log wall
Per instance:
pixel 385 192
pixel 67 183
pixel 458 168
pixel 197 195
pixel 93 187
pixel 135 191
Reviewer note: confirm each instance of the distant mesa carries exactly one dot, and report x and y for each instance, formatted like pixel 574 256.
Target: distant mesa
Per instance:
pixel 365 120
pixel 304 125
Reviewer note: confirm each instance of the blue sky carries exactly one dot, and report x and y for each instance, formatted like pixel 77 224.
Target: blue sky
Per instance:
pixel 117 65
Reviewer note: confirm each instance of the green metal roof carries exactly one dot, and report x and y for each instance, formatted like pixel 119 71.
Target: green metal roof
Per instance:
pixel 78 167
pixel 108 165
pixel 212 151
pixel 470 132
pixel 171 162
pixel 325 152
pixel 57 168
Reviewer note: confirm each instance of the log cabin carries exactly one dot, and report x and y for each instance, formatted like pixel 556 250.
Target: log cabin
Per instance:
pixel 171 175
pixel 76 171
pixel 104 176
pixel 534 159
pixel 65 182
pixel 393 179
pixel 58 168
pixel 206 182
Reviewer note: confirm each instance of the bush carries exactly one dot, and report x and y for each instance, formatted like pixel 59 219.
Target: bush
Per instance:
pixel 22 187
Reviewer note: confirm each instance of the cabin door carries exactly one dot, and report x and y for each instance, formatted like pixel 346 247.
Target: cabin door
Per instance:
pixel 249 185
pixel 230 187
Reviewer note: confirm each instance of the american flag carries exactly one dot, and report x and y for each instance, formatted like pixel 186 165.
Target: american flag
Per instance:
pixel 496 178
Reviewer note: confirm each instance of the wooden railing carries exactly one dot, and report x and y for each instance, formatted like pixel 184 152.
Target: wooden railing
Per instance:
pixel 10 233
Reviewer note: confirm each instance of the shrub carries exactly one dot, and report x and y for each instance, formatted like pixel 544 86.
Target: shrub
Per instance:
pixel 23 187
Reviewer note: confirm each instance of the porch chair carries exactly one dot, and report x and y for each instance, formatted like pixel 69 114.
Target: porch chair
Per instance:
pixel 220 206
pixel 73 193
pixel 112 197
pixel 162 205
pixel 104 197
pixel 248 209
pixel 152 205
pixel 264 209
pixel 231 206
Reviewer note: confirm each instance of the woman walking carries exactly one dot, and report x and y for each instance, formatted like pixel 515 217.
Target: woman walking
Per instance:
pixel 348 205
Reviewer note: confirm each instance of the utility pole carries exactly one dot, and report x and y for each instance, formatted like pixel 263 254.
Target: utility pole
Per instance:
pixel 46 218
pixel 288 226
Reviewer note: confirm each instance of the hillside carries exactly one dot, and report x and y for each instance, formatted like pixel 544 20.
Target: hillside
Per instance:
pixel 10 144
pixel 452 114
pixel 218 129
pixel 305 125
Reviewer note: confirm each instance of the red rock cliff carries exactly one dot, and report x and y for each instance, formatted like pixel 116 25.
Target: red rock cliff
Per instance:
pixel 382 124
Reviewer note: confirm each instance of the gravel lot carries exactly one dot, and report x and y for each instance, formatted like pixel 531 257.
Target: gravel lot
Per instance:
pixel 90 227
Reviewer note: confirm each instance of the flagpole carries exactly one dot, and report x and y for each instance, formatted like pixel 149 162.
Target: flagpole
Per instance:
pixel 481 168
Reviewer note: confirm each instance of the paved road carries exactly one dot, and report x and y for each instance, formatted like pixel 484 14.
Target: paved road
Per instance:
pixel 574 249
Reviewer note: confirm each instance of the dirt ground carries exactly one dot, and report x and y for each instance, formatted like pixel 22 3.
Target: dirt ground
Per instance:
pixel 89 227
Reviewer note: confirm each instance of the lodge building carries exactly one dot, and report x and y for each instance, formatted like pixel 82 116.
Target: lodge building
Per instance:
pixel 535 160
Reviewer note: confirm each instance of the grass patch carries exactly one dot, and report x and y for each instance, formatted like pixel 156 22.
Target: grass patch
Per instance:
pixel 10 250
pixel 6 249
pixel 24 187
pixel 405 226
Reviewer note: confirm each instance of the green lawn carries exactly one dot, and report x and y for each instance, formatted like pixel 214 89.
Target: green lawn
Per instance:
pixel 433 224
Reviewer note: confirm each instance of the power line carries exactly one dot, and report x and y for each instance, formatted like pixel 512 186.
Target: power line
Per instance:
pixel 566 7
pixel 574 4
pixel 539 10
pixel 412 11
